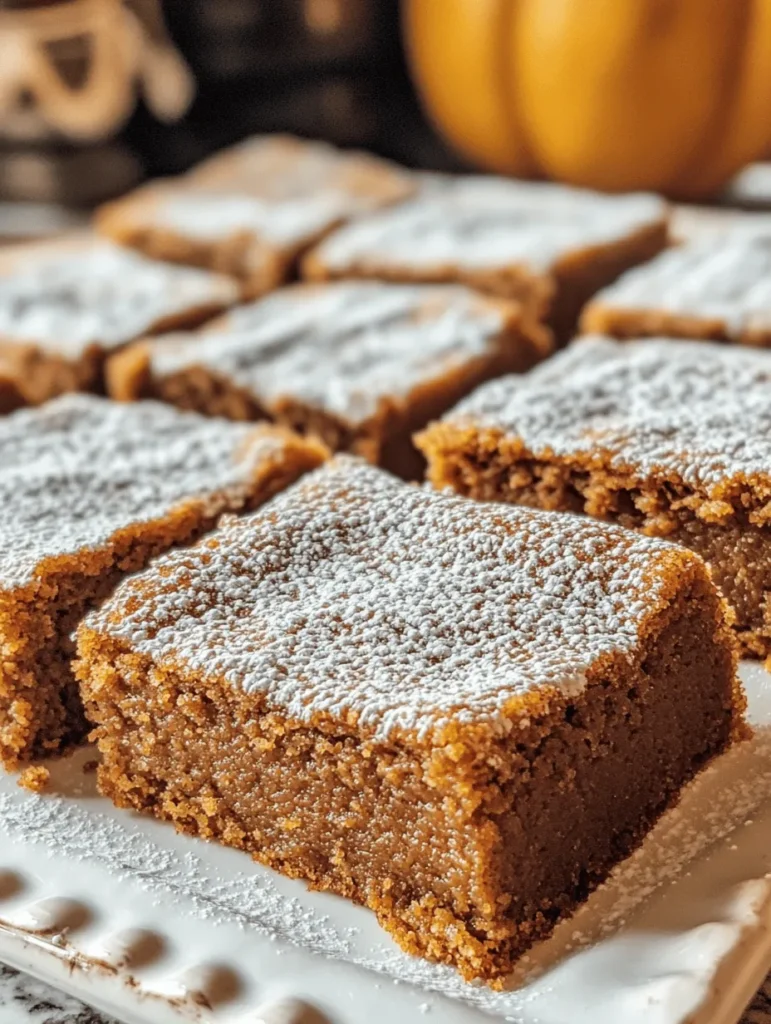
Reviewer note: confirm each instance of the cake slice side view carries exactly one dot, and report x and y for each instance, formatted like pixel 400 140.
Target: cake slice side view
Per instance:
pixel 64 306
pixel 251 210
pixel 550 247
pixel 663 436
pixel 11 397
pixel 715 289
pixel 459 715
pixel 361 364
pixel 90 490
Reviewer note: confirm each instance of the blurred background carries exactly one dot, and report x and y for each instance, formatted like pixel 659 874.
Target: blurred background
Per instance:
pixel 97 95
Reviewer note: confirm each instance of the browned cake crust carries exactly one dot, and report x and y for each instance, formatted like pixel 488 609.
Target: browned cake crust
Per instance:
pixel 656 435
pixel 412 352
pixel 41 604
pixel 459 843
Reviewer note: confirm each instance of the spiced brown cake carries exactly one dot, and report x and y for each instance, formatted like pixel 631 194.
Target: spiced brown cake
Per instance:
pixel 280 166
pixel 361 364
pixel 90 490
pixel 548 246
pixel 460 715
pixel 65 306
pixel 252 210
pixel 716 288
pixel 663 436
pixel 10 395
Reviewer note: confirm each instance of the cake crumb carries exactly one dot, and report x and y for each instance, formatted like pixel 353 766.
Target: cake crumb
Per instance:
pixel 35 778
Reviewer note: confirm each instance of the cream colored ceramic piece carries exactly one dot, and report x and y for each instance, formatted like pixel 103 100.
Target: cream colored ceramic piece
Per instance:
pixel 157 928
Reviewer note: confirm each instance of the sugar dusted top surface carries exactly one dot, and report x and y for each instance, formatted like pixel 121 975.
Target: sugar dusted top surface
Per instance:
pixel 100 294
pixel 282 167
pixel 727 279
pixel 353 594
pixel 211 216
pixel 341 347
pixel 695 411
pixel 484 223
pixel 74 471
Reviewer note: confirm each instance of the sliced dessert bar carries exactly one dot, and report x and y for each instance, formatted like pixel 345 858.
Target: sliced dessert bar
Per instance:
pixel 89 490
pixel 457 714
pixel 251 211
pixel 64 307
pixel 10 395
pixel 362 364
pixel 549 246
pixel 717 288
pixel 663 436
pixel 280 166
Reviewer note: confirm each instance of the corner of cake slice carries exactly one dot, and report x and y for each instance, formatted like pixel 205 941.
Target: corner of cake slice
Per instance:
pixel 665 436
pixel 90 490
pixel 457 714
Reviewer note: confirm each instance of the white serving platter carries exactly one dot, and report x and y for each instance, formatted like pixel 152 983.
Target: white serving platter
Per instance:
pixel 156 928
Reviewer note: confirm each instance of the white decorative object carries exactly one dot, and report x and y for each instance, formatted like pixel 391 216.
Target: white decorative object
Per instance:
pixel 125 48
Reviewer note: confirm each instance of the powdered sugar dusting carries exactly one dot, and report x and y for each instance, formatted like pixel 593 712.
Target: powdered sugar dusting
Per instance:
pixel 76 470
pixel 698 412
pixel 101 295
pixel 342 348
pixel 353 594
pixel 727 280
pixel 211 216
pixel 278 168
pixel 484 223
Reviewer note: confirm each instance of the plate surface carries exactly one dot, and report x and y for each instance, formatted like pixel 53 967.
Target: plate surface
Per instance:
pixel 156 928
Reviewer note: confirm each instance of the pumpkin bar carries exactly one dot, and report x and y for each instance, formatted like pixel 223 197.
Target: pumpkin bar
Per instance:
pixel 548 246
pixel 716 289
pixel 251 210
pixel 90 490
pixel 663 436
pixel 64 307
pixel 10 395
pixel 362 364
pixel 459 715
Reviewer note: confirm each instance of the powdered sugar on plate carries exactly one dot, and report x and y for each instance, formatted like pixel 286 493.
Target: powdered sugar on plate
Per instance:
pixel 648 946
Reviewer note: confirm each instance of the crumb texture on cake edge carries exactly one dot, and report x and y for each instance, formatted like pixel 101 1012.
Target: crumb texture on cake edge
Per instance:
pixel 590 587
pixel 711 289
pixel 51 572
pixel 360 364
pixel 658 435
pixel 189 706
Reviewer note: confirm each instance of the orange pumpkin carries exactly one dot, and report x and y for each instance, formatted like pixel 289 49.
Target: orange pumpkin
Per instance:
pixel 668 95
